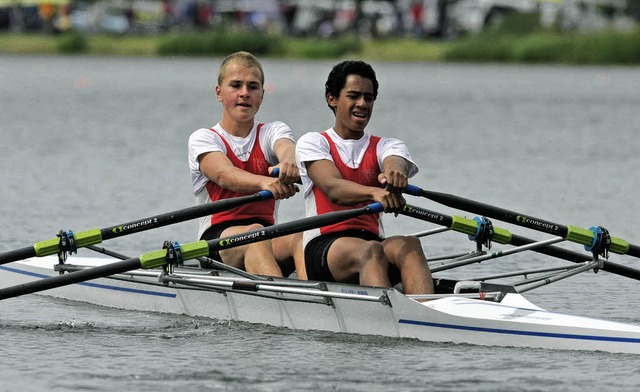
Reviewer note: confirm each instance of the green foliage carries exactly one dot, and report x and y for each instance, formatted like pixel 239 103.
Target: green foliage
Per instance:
pixel 70 43
pixel 607 47
pixel 543 48
pixel 594 48
pixel 224 43
pixel 323 49
pixel 477 49
pixel 218 43
pixel 516 23
pixel 519 38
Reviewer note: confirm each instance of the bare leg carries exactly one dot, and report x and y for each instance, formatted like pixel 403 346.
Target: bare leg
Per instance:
pixel 354 258
pixel 295 244
pixel 298 257
pixel 290 255
pixel 255 258
pixel 374 266
pixel 406 253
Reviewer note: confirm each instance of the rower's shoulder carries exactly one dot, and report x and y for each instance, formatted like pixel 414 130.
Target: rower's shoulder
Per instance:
pixel 275 125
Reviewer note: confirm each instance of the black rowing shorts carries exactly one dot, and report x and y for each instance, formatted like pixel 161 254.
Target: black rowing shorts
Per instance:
pixel 316 251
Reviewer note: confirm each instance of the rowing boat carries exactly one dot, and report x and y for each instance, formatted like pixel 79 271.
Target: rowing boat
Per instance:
pixel 475 311
pixel 460 312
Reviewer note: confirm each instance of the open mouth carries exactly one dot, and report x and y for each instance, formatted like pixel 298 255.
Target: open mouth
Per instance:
pixel 360 115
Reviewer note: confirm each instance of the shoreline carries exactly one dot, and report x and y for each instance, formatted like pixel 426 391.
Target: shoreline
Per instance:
pixel 603 48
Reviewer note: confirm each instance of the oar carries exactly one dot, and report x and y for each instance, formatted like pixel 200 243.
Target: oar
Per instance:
pixel 96 236
pixel 189 251
pixel 570 233
pixel 502 236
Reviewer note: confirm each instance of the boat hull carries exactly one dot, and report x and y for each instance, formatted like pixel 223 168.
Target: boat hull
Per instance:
pixel 512 322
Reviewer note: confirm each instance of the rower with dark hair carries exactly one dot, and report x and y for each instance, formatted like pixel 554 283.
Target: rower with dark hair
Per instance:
pixel 345 167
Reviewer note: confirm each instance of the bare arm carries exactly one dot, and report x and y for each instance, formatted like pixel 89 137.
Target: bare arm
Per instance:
pixel 395 174
pixel 285 150
pixel 219 169
pixel 327 178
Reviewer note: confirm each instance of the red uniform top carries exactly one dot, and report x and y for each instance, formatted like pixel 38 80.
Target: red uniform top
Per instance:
pixel 256 164
pixel 365 174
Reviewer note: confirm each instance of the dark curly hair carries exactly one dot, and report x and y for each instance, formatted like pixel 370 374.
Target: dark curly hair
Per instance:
pixel 338 77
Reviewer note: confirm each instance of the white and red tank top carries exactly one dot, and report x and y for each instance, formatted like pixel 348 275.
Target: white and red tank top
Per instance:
pixel 256 164
pixel 365 174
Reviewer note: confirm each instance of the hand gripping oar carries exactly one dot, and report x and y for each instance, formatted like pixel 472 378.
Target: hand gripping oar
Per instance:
pixel 502 236
pixel 589 238
pixel 188 251
pixel 96 236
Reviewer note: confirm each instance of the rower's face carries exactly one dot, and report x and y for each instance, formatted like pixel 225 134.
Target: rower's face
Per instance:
pixel 354 105
pixel 240 92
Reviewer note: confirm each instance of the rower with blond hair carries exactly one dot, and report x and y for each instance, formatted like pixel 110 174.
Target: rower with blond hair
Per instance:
pixel 237 157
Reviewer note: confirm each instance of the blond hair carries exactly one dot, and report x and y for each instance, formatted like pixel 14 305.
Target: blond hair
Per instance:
pixel 246 59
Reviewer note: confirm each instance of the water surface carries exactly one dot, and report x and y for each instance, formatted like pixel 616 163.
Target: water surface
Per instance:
pixel 94 142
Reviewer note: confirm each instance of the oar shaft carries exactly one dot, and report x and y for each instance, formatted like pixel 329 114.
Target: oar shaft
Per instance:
pixel 70 278
pixel 469 226
pixel 571 233
pixel 18 254
pixel 492 212
pixel 189 251
pixel 96 236
pixel 292 227
pixel 186 214
pixel 453 222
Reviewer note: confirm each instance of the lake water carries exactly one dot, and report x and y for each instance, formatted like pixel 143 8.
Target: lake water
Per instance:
pixel 94 142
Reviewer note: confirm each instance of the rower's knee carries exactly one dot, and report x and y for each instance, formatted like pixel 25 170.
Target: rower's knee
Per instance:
pixel 373 254
pixel 413 244
pixel 254 226
pixel 374 266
